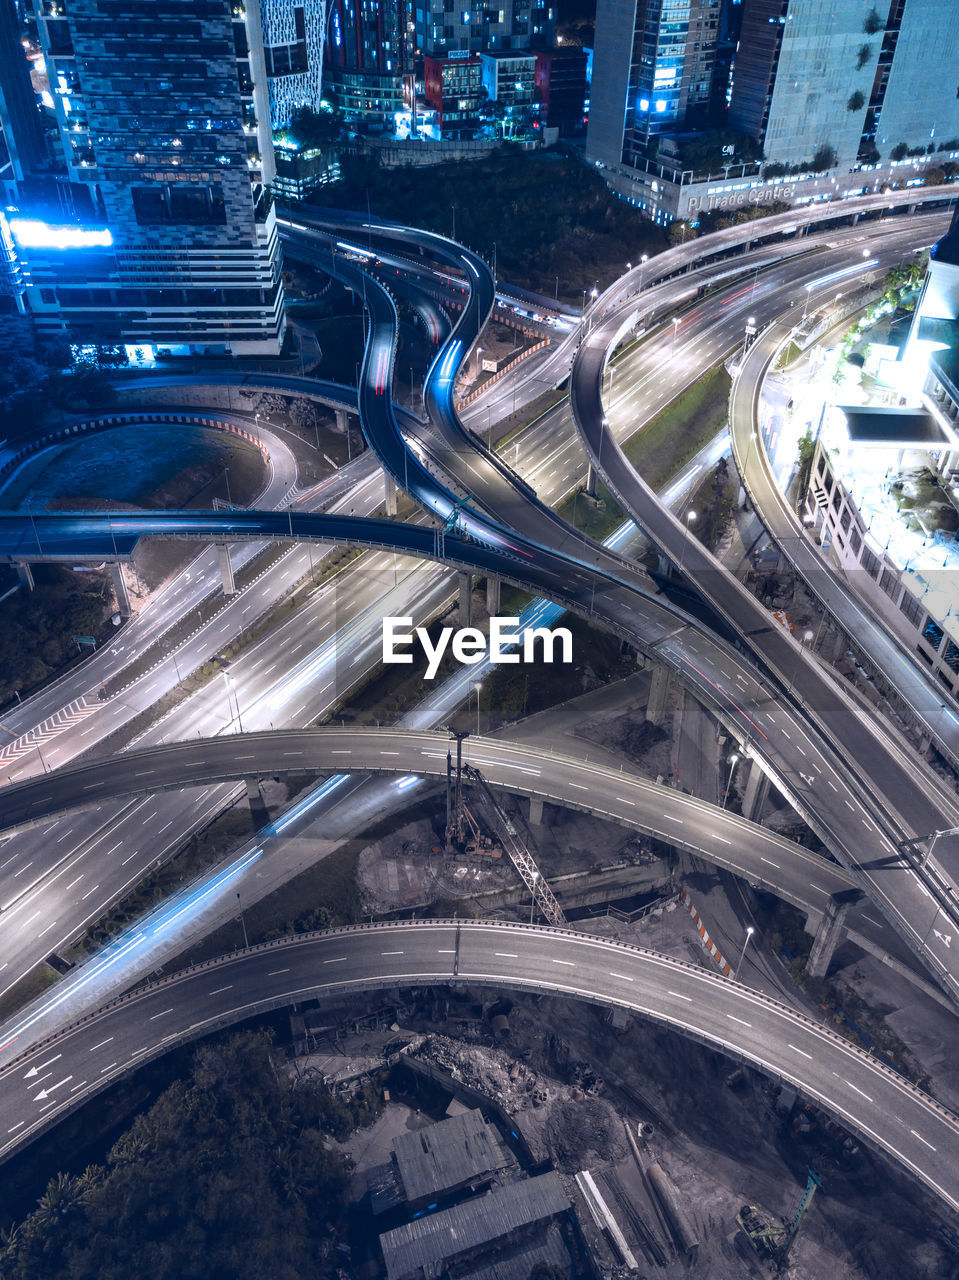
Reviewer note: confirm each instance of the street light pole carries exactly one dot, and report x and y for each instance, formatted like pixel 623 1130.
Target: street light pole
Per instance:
pixel 228 680
pixel 246 940
pixel 749 933
pixel 532 901
pixel 690 519
pixel 672 350
pixel 733 761
pixel 476 690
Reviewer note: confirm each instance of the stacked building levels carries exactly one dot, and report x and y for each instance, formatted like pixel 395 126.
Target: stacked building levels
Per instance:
pixel 145 215
pixel 883 497
pixel 819 87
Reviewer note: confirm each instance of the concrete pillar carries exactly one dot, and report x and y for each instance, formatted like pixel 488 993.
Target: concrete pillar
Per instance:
pixel 657 695
pixel 258 812
pixel 536 811
pixel 493 585
pixel 466 599
pixel 839 646
pixel 664 565
pixel 830 931
pixel 120 586
pixel 226 569
pixel 591 480
pixel 25 575
pixel 757 788
pixel 390 494
pixel 342 420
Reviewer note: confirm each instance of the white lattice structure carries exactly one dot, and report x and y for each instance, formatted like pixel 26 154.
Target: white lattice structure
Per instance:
pixel 293 33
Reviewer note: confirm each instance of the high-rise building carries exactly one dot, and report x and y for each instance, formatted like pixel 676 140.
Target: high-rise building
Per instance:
pixel 453 87
pixel 653 66
pixel 164 119
pixel 292 42
pixel 838 77
pixel 464 26
pixel 561 88
pixel 369 60
pixel 21 138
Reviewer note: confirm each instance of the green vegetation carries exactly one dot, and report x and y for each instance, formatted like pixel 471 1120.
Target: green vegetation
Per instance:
pixel 673 436
pixel 598 658
pixel 549 215
pixel 50 375
pixel 807 449
pixel 228 1176
pixel 715 502
pixel 37 636
pixel 711 150
pixel 31 985
pixel 200 853
pixel 856 101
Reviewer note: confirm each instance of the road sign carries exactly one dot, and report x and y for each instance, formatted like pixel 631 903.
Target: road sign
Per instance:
pixel 85 640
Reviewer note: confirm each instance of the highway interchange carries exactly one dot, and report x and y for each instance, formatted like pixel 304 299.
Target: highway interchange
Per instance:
pixel 616 592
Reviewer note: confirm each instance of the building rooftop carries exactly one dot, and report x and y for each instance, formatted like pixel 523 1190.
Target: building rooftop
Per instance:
pixel 449 1154
pixel 894 427
pixel 516 1264
pixel 421 1248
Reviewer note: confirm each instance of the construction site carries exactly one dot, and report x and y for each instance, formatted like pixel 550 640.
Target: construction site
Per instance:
pixel 563 1139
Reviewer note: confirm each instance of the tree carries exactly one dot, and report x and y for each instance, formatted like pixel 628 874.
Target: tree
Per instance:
pixel 824 158
pixel 863 54
pixel 899 151
pixel 856 101
pixel 807 448
pixel 872 23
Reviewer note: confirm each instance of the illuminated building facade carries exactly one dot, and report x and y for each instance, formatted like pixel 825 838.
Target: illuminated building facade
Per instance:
pixel 863 81
pixel 652 73
pixel 369 60
pixel 163 117
pixel 292 42
pixel 444 27
pixel 453 87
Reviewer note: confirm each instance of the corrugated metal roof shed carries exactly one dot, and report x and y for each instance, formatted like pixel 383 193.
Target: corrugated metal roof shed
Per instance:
pixel 517 1263
pixel 448 1155
pixel 424 1245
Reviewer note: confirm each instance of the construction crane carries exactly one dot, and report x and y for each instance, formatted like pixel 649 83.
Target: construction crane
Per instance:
pixel 520 856
pixel 774 1240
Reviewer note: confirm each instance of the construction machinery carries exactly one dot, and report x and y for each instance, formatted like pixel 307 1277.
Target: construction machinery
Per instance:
pixel 774 1240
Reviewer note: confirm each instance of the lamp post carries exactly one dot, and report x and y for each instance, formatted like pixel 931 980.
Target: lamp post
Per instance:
pixel 733 761
pixel 239 907
pixel 228 680
pixel 532 901
pixel 690 519
pixel 749 933
pixel 476 689
pixel 644 258
pixel 672 350
pixel 749 333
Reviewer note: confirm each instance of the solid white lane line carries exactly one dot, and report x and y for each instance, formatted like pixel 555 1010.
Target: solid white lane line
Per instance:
pixel 732 1018
pixel 800 1051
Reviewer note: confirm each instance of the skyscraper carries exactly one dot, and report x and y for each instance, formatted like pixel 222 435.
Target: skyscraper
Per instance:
pixel 652 73
pixel 851 80
pixel 163 116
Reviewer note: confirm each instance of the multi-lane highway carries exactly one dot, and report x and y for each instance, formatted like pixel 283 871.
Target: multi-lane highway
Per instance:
pixel 608 588
pixel 862 1093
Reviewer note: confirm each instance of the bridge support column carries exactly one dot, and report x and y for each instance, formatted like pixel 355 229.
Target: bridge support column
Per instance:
pixel 120 586
pixel 757 789
pixel 664 565
pixel 466 599
pixel 493 585
pixel 830 932
pixel 839 646
pixel 25 575
pixel 390 494
pixel 226 569
pixel 591 480
pixel 658 689
pixel 342 420
pixel 257 807
pixel 536 811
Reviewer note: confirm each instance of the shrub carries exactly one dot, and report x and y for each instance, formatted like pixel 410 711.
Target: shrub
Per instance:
pixel 863 55
pixel 856 101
